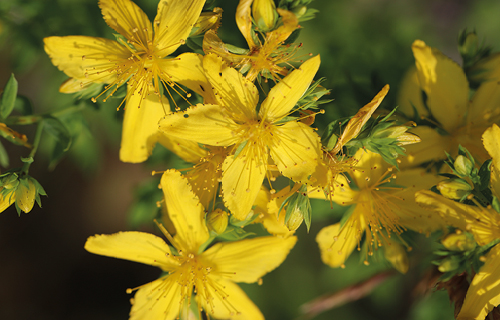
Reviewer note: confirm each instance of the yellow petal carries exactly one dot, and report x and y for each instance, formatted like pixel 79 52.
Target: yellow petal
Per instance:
pixel 336 244
pixel 235 305
pixel 273 220
pixel 127 19
pixel 140 124
pixel 6 201
pixel 431 147
pixel 410 95
pixel 160 299
pixel 185 211
pixel 357 122
pixel 484 292
pixel 134 246
pixel 276 37
pixel 242 178
pixel 244 21
pixel 72 85
pixel 187 69
pixel 411 216
pixel 249 260
pixel 205 124
pixel 173 23
pixel 283 96
pixel 295 149
pixel 491 141
pixel 87 59
pixel 187 150
pixel 235 93
pixel 484 106
pixel 452 212
pixel 445 84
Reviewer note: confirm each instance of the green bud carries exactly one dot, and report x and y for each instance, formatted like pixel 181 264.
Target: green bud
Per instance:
pixel 395 253
pixel 264 13
pixel 463 165
pixel 391 132
pixel 448 264
pixel 459 242
pixel 467 43
pixel 454 188
pixel 217 221
pixel 295 220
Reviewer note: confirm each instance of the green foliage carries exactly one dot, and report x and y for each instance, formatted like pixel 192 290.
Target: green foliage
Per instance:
pixel 8 97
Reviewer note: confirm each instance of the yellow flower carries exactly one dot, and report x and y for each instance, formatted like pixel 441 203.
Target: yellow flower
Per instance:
pixel 262 58
pixel 137 59
pixel 447 90
pixel 209 273
pixel 484 223
pixel 379 209
pixel 293 146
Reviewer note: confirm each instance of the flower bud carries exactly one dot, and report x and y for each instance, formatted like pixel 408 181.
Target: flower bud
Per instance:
pixel 295 220
pixel 454 188
pixel 264 13
pixel 391 132
pixel 448 264
pixel 217 221
pixel 396 255
pixel 463 165
pixel 25 195
pixel 458 242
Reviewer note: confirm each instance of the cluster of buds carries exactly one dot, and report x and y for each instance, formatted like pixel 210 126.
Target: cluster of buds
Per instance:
pixel 22 190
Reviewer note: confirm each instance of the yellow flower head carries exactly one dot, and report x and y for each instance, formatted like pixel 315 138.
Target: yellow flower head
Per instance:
pixel 380 209
pixel 209 273
pixel 254 136
pixel 262 58
pixel 136 59
pixel 447 101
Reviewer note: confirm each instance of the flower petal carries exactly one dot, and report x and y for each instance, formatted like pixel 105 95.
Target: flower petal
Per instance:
pixel 140 124
pixel 134 246
pixel 127 19
pixel 410 99
pixel 88 59
pixel 173 23
pixel 283 96
pixel 295 149
pixel 431 147
pixel 160 299
pixel 357 122
pixel 445 84
pixel 242 178
pixel 185 211
pixel 205 124
pixel 187 69
pixel 249 260
pixel 244 21
pixel 187 150
pixel 233 92
pixel 235 305
pixel 336 244
pixel 484 291
pixel 491 141
pixel 484 105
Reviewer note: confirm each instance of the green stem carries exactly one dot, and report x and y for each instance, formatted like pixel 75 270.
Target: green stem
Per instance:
pixel 24 120
pixel 36 142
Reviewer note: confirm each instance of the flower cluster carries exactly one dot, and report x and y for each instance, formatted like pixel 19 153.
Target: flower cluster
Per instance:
pixel 245 121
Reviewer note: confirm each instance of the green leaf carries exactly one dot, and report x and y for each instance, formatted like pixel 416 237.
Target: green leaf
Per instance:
pixel 8 97
pixel 23 106
pixel 27 160
pixel 58 130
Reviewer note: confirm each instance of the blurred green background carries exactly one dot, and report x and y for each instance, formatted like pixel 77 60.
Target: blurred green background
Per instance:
pixel 44 271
